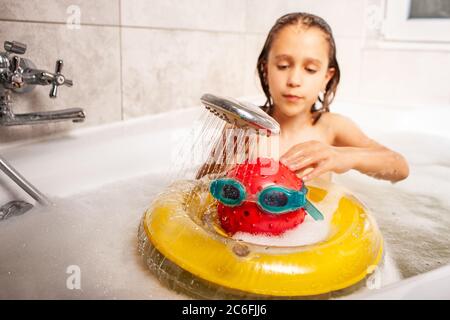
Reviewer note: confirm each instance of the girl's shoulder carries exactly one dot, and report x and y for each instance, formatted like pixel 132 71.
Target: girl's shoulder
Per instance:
pixel 333 118
pixel 342 129
pixel 337 122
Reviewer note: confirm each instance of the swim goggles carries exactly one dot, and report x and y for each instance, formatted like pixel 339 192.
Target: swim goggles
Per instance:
pixel 273 199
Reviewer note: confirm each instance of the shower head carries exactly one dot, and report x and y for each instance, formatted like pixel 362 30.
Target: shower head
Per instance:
pixel 241 114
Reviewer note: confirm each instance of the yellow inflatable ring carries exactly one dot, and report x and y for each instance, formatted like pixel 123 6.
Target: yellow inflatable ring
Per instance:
pixel 179 244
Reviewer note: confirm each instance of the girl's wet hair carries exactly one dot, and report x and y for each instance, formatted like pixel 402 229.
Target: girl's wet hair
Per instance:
pixel 309 21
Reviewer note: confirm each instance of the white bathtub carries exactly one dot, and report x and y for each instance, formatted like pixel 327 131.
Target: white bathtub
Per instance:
pixel 102 179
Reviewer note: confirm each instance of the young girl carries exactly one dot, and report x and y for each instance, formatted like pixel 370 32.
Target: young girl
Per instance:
pixel 298 71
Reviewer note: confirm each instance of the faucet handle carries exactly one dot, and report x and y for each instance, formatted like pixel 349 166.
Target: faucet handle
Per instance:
pixel 15 47
pixel 16 77
pixel 58 79
pixel 15 64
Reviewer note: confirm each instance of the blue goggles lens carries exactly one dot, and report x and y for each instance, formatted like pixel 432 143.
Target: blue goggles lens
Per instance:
pixel 273 199
pixel 228 191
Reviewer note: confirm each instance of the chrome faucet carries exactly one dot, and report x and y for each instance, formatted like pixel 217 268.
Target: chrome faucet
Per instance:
pixel 20 75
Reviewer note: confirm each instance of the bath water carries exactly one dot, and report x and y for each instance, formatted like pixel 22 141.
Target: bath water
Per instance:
pixel 97 230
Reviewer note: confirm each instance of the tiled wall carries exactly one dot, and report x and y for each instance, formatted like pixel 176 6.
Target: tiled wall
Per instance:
pixel 91 54
pixel 130 58
pixel 402 73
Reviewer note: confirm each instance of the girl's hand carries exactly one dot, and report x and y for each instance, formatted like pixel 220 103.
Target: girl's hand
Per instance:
pixel 321 157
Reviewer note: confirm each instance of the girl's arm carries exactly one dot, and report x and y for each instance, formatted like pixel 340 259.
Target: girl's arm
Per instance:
pixel 351 149
pixel 378 162
pixel 366 155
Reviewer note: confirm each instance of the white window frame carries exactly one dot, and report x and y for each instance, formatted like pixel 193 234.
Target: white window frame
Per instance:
pixel 397 26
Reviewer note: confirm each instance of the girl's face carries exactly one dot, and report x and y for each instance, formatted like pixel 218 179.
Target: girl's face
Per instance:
pixel 297 69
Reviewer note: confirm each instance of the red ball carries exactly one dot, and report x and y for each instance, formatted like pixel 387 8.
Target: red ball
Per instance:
pixel 249 217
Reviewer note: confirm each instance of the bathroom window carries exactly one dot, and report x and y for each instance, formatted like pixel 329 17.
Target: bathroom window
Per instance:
pixel 429 9
pixel 417 20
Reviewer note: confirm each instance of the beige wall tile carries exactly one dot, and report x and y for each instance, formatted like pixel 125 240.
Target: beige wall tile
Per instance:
pixel 91 59
pixel 222 15
pixel 253 46
pixel 91 12
pixel 349 52
pixel 346 17
pixel 406 77
pixel 165 70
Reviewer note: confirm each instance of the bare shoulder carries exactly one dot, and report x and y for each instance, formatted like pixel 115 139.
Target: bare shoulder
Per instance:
pixel 335 119
pixel 345 131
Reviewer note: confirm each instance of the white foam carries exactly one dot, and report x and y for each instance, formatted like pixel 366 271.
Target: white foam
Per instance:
pixel 96 231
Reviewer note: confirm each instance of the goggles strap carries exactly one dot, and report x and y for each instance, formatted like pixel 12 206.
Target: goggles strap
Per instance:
pixel 309 207
pixel 313 211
